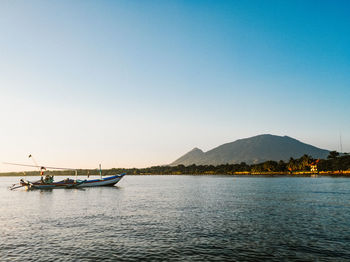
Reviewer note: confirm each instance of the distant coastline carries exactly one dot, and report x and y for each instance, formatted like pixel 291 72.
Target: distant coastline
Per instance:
pixel 253 174
pixel 334 165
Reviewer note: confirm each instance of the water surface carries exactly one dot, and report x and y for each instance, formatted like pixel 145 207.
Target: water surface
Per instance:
pixel 173 218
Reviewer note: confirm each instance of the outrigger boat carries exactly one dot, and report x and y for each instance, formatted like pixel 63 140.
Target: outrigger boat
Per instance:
pixel 70 183
pixel 47 182
pixel 66 183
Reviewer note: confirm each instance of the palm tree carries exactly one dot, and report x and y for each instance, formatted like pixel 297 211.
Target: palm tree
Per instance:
pixel 333 155
pixel 305 162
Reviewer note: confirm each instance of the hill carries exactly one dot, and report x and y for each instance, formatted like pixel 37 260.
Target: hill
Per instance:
pixel 252 150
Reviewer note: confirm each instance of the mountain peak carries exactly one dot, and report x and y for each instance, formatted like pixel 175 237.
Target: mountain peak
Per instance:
pixel 190 157
pixel 196 149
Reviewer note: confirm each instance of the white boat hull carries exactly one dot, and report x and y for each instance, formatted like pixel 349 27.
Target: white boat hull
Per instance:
pixel 107 181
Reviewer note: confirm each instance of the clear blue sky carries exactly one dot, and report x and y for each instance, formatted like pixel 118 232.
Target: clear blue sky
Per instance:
pixel 139 83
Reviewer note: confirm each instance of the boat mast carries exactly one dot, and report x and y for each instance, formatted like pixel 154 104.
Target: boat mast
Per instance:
pixel 100 172
pixel 35 163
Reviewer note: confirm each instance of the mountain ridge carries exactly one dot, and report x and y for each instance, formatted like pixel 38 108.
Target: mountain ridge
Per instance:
pixel 252 150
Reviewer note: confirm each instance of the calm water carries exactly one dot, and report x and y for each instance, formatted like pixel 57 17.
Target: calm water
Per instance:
pixel 203 218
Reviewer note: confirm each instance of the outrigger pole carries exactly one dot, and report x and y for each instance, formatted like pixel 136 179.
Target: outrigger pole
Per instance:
pixel 44 167
pixel 48 167
pixel 14 186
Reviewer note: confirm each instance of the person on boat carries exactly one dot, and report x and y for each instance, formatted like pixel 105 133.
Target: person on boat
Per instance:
pixel 48 178
pixel 42 176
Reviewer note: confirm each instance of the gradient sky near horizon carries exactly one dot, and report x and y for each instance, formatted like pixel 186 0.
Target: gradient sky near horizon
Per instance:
pixel 140 83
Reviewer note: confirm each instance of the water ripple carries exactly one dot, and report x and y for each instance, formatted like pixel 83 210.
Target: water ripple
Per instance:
pixel 177 218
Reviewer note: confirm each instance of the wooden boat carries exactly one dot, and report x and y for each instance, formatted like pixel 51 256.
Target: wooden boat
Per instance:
pixel 47 182
pixel 42 184
pixel 69 183
pixel 106 181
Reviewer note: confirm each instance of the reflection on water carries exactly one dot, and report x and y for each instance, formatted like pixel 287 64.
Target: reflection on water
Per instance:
pixel 179 218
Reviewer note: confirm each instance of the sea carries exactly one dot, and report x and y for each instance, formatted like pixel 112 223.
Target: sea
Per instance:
pixel 179 218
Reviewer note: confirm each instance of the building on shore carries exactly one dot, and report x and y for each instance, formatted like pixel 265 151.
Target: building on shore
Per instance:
pixel 313 166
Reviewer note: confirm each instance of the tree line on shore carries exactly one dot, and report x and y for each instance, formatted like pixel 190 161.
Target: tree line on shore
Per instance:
pixel 334 162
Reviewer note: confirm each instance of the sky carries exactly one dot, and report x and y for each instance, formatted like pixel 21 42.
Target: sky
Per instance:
pixel 140 83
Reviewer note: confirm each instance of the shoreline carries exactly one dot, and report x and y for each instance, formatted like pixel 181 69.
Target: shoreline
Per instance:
pixel 252 174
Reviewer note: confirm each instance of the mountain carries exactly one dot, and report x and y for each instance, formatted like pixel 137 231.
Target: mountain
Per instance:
pixel 252 150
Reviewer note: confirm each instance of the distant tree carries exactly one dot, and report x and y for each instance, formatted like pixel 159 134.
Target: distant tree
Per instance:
pixel 282 166
pixel 270 166
pixel 304 162
pixel 257 168
pixel 333 155
pixel 292 164
pixel 180 169
pixel 243 167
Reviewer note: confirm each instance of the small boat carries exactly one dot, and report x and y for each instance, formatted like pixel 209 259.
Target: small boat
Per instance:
pixel 71 183
pixel 106 181
pixel 47 182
